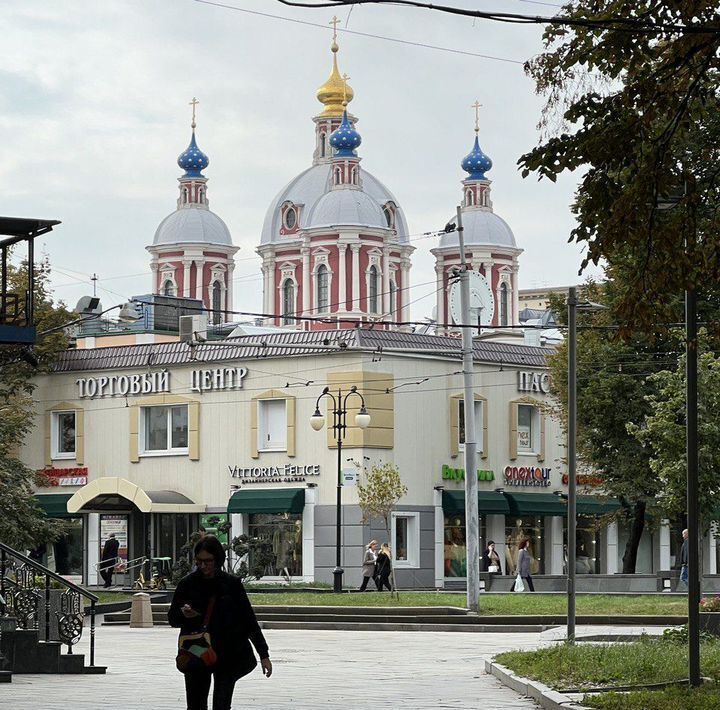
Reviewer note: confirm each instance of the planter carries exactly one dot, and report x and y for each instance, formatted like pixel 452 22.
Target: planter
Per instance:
pixel 710 622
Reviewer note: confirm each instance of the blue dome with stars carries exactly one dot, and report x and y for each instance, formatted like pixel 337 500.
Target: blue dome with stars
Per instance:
pixel 193 160
pixel 345 139
pixel 476 163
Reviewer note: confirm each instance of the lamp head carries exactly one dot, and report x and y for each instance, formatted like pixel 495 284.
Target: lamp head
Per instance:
pixel 362 418
pixel 317 420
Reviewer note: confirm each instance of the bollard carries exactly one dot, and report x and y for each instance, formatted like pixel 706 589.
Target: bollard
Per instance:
pixel 141 611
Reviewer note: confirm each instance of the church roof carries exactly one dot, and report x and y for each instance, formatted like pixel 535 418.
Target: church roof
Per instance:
pixel 192 224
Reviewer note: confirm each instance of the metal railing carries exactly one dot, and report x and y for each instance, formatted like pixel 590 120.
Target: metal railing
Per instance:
pixel 20 596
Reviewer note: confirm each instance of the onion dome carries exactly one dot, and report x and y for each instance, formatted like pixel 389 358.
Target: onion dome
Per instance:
pixel 476 163
pixel 334 91
pixel 193 160
pixel 345 139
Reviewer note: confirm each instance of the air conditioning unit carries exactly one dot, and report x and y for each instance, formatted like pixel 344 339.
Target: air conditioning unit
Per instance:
pixel 193 329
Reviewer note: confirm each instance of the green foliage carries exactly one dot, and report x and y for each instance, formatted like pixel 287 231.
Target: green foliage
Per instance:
pixel 23 525
pixel 680 634
pixel 679 697
pixel 381 492
pixel 254 553
pixel 637 113
pixel 662 433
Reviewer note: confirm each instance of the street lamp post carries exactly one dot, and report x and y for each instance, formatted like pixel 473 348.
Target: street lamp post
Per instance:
pixel 339 427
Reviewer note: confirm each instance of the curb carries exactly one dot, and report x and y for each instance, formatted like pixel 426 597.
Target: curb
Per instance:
pixel 546 697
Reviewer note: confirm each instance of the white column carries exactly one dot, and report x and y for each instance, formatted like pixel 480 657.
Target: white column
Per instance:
pixel 237 528
pixel 404 294
pixel 308 535
pixel 229 298
pixel 342 288
pixel 271 290
pixel 612 548
pixel 186 277
pixel 664 538
pixel 356 305
pixel 439 269
pixel 515 297
pixel 305 251
pixel 386 280
pixel 554 545
pixel 199 272
pixel 154 269
pixel 439 539
pixel 92 554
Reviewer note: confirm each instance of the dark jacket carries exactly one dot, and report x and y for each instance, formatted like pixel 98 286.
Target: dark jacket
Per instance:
pixel 684 553
pixel 524 560
pixel 487 561
pixel 382 565
pixel 109 552
pixel 232 625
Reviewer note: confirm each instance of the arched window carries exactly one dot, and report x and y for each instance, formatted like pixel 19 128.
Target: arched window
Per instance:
pixel 217 303
pixel 338 176
pixel 354 176
pixel 288 304
pixel 469 198
pixel 503 304
pixel 373 289
pixel 290 218
pixel 393 298
pixel 168 288
pixel 323 147
pixel 323 300
pixel 389 217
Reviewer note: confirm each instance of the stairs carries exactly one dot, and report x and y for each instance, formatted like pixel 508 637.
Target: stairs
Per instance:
pixel 361 619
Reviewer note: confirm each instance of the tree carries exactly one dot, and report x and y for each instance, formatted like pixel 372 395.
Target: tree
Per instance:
pixel 638 113
pixel 662 433
pixel 23 524
pixel 614 387
pixel 378 498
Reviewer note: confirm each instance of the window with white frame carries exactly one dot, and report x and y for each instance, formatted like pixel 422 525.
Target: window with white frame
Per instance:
pixel 504 310
pixel 168 288
pixel 528 429
pixel 288 301
pixel 63 435
pixel 217 315
pixel 405 542
pixel 272 425
pixel 478 425
pixel 164 429
pixel 373 289
pixel 323 298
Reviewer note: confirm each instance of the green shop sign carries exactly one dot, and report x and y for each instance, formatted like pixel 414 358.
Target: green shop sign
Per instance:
pixel 458 474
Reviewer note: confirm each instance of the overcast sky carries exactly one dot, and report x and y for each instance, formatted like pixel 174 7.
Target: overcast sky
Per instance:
pixel 94 112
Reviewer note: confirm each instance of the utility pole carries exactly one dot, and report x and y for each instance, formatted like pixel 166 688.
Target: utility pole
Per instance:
pixel 693 513
pixel 572 460
pixel 472 522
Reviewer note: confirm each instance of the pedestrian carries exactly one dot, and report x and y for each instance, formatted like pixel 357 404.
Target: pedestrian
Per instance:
pixel 109 559
pixel 211 598
pixel 491 559
pixel 368 565
pixel 684 559
pixel 383 567
pixel 523 565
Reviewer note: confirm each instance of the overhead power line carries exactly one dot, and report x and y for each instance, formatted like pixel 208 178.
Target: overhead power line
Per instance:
pixel 613 24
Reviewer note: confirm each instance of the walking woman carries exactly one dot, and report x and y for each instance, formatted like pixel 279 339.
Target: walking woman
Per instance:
pixel 491 559
pixel 383 567
pixel 368 565
pixel 523 565
pixel 209 597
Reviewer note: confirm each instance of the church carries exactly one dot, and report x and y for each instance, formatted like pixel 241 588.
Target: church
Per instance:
pixel 148 433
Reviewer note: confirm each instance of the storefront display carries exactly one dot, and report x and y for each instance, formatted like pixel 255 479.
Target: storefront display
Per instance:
pixel 117 524
pixel 528 528
pixel 455 552
pixel 587 545
pixel 284 532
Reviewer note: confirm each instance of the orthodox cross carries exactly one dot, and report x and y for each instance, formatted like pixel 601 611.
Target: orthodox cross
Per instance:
pixel 193 103
pixel 334 22
pixel 477 106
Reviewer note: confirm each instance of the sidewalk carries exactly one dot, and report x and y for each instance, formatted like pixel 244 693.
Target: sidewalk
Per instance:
pixel 313 669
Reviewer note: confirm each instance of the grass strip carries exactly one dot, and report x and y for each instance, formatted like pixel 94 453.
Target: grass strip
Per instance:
pixel 703 698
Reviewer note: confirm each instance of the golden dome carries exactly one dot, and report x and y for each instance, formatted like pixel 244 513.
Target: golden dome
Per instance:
pixel 333 92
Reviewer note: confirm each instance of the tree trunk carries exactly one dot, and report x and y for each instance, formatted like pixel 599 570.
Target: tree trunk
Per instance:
pixel 633 542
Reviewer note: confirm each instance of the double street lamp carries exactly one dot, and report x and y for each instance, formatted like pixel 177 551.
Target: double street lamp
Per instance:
pixel 339 428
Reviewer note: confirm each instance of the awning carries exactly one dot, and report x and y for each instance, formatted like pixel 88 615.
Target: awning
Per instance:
pixel 597 505
pixel 267 500
pixel 488 502
pixel 54 505
pixel 119 494
pixel 536 504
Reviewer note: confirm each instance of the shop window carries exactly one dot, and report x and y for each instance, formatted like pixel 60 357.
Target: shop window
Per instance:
pixel 65 554
pixel 272 421
pixel 405 542
pixel 478 425
pixel 284 533
pixel 587 545
pixel 373 289
pixel 323 300
pixel 455 550
pixel 528 528
pixel 528 429
pixel 63 435
pixel 165 430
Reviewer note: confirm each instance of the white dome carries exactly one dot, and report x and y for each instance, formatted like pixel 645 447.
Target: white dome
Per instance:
pixel 346 207
pixel 193 224
pixel 310 186
pixel 481 226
